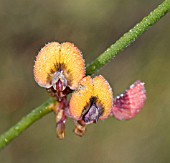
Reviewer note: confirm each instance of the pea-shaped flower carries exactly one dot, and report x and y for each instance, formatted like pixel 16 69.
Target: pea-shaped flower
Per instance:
pixel 58 67
pixel 91 102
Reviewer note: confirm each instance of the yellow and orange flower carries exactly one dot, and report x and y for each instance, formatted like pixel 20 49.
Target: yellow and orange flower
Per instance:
pixel 92 101
pixel 56 62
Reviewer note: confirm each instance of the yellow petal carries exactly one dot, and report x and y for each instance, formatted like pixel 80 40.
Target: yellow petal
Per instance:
pixel 81 98
pixel 45 64
pixel 103 92
pixel 72 64
pixel 56 56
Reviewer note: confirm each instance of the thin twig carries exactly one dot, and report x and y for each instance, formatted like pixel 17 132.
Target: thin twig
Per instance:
pixel 25 122
pixel 129 37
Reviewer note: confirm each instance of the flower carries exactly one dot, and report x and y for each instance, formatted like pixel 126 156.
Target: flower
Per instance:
pixel 128 105
pixel 58 67
pixel 92 101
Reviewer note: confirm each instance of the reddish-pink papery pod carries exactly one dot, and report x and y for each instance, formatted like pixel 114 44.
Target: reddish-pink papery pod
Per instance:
pixel 128 104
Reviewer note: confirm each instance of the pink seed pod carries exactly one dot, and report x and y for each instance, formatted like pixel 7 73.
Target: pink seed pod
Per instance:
pixel 128 105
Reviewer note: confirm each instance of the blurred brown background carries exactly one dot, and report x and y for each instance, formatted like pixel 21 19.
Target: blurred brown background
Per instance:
pixel 25 26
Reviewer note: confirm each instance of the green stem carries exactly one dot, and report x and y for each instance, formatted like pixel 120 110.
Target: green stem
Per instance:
pixel 129 37
pixel 25 122
pixel 106 56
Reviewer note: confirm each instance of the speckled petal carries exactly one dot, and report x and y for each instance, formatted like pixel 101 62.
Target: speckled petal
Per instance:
pixel 81 97
pixel 127 105
pixel 73 64
pixel 103 92
pixel 45 64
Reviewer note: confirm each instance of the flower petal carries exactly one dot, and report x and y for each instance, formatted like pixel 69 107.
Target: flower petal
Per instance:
pixel 81 98
pixel 74 67
pixel 103 92
pixel 45 64
pixel 128 104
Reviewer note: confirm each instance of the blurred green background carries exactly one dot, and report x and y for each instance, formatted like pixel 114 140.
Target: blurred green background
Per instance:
pixel 25 26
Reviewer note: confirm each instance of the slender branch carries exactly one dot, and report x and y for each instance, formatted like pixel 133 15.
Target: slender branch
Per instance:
pixel 129 37
pixel 106 56
pixel 25 122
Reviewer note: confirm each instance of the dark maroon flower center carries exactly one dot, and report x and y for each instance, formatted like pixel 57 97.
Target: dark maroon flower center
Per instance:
pixel 92 115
